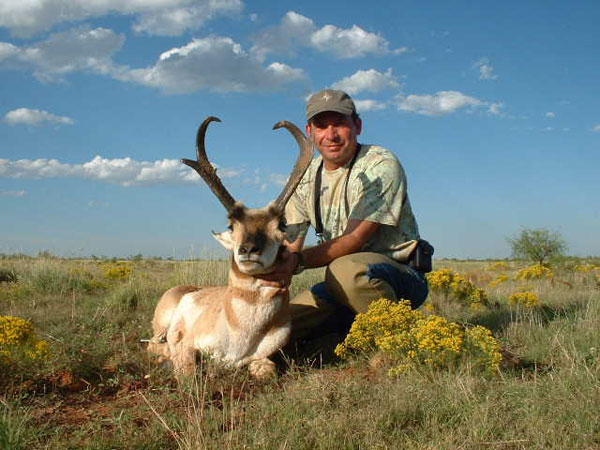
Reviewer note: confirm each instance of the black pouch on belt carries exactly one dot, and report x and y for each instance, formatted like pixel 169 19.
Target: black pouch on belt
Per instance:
pixel 421 258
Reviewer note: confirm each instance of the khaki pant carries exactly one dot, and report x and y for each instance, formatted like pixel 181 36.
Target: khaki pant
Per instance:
pixel 351 283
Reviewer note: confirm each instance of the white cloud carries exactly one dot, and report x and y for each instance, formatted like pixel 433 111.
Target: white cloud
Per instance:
pixel 278 179
pixel 20 193
pixel 122 171
pixel 443 102
pixel 367 80
pixel 175 21
pixel 28 116
pixel 25 18
pixel 495 109
pixel 550 115
pixel 7 50
pixel 486 70
pixel 369 105
pixel 214 63
pixel 296 30
pixel 74 50
pixel 596 128
pixel 349 43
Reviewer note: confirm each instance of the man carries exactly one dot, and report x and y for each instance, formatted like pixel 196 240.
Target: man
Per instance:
pixel 358 193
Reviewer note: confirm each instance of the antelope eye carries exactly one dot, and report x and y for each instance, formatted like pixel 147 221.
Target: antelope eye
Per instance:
pixel 282 226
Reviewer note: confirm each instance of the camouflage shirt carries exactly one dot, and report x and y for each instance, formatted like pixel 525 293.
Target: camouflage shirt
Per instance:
pixel 376 192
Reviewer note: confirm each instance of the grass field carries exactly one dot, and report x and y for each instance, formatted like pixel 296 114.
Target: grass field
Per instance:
pixel 92 386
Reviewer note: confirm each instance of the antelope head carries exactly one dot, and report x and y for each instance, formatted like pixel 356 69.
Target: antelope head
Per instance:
pixel 255 236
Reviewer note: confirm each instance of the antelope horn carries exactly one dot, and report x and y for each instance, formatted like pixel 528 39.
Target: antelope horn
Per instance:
pixel 302 163
pixel 205 169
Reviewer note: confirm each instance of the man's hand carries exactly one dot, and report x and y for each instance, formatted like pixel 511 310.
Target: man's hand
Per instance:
pixel 281 277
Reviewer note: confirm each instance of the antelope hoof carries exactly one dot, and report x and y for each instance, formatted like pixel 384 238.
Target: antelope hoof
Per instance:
pixel 262 369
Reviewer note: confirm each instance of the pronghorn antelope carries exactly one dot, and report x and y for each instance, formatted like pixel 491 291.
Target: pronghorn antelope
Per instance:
pixel 248 320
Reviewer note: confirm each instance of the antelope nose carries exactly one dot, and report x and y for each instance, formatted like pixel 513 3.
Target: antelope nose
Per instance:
pixel 248 248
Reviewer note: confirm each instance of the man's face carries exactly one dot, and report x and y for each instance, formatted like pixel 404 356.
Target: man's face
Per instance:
pixel 335 136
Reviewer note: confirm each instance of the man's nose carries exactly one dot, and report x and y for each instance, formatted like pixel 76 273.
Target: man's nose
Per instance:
pixel 331 132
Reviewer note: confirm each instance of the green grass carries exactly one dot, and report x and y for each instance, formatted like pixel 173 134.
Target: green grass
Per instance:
pixel 99 389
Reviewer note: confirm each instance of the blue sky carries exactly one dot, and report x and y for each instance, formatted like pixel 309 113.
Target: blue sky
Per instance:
pixel 492 108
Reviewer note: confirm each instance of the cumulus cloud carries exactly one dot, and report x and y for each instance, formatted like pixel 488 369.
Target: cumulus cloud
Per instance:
pixel 486 70
pixel 443 102
pixel 28 116
pixel 163 17
pixel 20 193
pixel 175 21
pixel 214 63
pixel 369 105
pixel 296 30
pixel 80 49
pixel 367 80
pixel 596 128
pixel 127 172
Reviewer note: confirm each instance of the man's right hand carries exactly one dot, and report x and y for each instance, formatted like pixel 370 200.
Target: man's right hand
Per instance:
pixel 284 271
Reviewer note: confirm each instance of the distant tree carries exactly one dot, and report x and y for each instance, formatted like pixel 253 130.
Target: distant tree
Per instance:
pixel 45 254
pixel 137 257
pixel 539 245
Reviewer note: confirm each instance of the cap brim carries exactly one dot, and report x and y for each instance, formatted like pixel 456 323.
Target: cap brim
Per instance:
pixel 341 110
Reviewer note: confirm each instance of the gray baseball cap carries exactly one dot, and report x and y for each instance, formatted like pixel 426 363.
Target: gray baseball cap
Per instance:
pixel 329 100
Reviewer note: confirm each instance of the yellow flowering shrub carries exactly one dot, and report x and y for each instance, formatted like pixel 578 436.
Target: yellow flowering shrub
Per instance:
pixel 535 272
pixel 527 299
pixel 453 284
pixel 117 271
pixel 586 268
pixel 429 307
pixel 499 266
pixel 18 339
pixel 412 339
pixel 499 280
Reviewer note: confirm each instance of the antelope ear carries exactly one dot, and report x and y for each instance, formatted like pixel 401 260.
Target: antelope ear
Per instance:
pixel 225 239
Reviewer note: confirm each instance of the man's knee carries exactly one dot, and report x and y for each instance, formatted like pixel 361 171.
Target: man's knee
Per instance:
pixel 358 279
pixel 348 281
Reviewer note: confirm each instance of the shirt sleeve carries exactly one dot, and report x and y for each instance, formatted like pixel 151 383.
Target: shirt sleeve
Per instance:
pixel 378 192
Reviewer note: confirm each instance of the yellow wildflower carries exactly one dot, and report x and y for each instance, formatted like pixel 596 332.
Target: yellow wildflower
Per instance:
pixel 535 272
pixel 527 299
pixel 499 266
pixel 411 339
pixel 17 337
pixel 118 272
pixel 499 280
pixel 586 268
pixel 453 284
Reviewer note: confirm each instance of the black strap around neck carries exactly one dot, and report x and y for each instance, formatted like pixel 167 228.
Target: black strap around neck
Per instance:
pixel 317 204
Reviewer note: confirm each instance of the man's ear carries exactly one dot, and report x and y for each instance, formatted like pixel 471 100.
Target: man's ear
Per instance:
pixel 358 124
pixel 225 239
